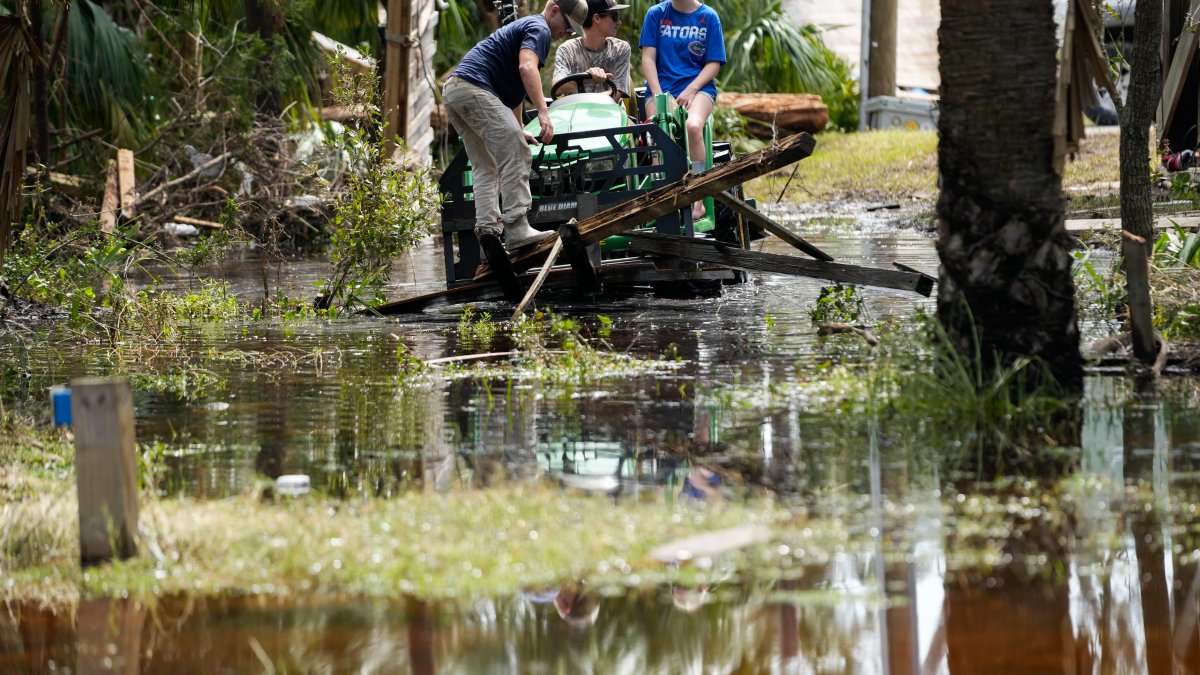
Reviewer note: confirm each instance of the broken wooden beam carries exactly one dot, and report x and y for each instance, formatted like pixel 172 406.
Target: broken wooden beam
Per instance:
pixel 538 281
pixel 624 273
pixel 675 196
pixel 755 216
pixel 706 250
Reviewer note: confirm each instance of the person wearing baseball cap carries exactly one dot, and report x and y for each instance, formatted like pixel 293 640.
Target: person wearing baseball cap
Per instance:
pixel 599 52
pixel 483 98
pixel 683 49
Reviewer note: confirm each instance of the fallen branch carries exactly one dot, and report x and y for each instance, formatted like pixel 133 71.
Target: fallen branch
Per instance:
pixel 197 222
pixel 467 357
pixel 184 178
pixel 480 357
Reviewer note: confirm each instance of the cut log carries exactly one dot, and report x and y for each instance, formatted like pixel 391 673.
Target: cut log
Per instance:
pixel 706 250
pixel 791 113
pixel 675 196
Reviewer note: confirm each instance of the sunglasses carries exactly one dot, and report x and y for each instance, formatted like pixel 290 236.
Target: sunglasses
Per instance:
pixel 612 14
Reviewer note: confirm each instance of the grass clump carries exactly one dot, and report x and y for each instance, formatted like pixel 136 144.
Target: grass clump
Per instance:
pixel 874 165
pixel 897 165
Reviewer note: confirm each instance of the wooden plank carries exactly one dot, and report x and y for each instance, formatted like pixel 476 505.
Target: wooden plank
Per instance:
pixel 110 205
pixel 678 195
pixel 754 215
pixel 397 71
pixel 105 468
pixel 631 272
pixel 538 281
pixel 126 188
pixel 705 250
pixel 1177 74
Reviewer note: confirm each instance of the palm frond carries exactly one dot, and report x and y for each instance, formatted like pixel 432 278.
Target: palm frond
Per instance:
pixel 351 22
pixel 16 67
pixel 106 71
pixel 459 28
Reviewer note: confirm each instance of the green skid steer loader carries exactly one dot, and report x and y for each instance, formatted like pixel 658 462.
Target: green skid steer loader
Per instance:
pixel 600 156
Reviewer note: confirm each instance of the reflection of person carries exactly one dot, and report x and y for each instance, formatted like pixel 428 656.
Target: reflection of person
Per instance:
pixel 702 484
pixel 689 599
pixel 600 53
pixel 682 52
pixel 576 605
pixel 483 98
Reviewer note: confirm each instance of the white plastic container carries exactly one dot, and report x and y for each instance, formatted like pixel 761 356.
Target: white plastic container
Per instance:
pixel 891 112
pixel 293 484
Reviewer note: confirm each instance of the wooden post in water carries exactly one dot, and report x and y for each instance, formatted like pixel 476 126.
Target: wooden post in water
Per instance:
pixel 105 468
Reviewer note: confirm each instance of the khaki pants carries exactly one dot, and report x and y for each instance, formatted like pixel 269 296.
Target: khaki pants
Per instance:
pixel 500 157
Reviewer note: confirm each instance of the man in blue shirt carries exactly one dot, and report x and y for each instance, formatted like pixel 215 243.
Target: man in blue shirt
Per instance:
pixel 483 98
pixel 682 52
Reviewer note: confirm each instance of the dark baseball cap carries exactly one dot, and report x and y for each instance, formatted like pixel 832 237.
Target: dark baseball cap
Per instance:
pixel 602 6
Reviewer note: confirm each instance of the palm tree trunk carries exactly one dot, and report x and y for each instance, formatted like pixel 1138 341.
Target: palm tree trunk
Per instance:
pixel 1005 282
pixel 41 78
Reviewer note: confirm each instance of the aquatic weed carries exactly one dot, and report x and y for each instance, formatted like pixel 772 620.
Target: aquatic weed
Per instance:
pixel 476 330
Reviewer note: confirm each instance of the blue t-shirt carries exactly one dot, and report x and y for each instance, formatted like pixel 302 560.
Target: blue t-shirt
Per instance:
pixel 685 42
pixel 493 63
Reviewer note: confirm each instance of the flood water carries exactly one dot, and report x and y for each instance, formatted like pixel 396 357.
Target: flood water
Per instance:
pixel 1110 586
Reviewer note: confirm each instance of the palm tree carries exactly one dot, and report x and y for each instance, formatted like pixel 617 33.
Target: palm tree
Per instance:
pixel 16 69
pixel 1005 290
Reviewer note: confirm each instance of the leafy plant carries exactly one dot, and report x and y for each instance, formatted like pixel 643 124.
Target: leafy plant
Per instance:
pixel 383 210
pixel 838 303
pixel 476 329
pixel 1177 246
pixel 1103 290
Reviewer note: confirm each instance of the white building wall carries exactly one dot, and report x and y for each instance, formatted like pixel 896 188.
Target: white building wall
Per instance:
pixel 916 33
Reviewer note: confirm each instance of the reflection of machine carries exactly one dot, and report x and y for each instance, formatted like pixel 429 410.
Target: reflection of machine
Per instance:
pixel 608 466
pixel 599 158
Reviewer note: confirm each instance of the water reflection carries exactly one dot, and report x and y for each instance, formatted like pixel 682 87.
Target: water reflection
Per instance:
pixel 1113 586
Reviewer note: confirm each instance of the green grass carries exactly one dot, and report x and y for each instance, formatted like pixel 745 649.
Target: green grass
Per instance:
pixel 900 166
pixel 870 166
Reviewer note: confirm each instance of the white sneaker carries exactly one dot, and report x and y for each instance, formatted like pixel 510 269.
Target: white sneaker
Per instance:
pixel 519 233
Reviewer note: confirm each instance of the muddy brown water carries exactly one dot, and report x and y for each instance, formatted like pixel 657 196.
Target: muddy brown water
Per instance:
pixel 1114 589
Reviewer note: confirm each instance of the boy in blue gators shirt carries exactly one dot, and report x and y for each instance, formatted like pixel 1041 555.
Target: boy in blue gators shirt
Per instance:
pixel 682 52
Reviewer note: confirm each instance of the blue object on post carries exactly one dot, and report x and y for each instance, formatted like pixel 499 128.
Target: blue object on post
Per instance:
pixel 60 401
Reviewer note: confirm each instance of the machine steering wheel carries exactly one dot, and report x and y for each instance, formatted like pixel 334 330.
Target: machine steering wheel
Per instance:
pixel 578 79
